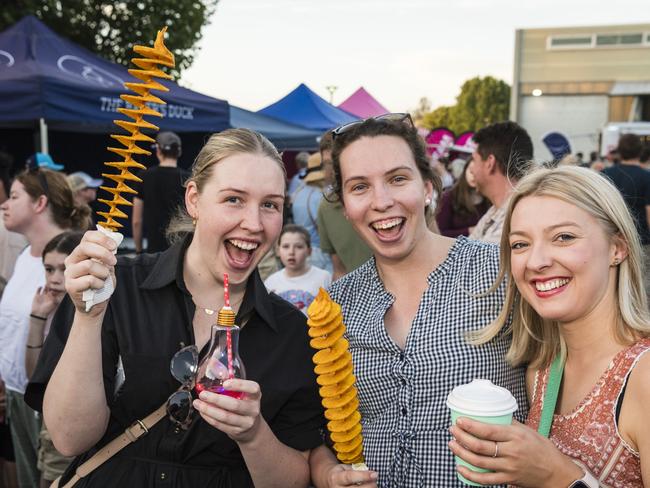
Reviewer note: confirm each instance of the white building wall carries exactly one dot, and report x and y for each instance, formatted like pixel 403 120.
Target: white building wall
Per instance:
pixel 579 117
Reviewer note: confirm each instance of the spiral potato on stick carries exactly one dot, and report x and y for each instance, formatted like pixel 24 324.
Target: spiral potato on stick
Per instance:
pixel 335 376
pixel 151 58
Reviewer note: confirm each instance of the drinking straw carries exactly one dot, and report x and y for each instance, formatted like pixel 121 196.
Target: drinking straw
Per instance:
pixel 226 305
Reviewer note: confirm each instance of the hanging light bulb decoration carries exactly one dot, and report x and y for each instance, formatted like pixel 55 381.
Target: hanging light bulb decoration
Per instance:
pixel 222 361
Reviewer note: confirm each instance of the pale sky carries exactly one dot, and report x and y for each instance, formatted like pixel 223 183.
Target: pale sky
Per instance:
pixel 255 51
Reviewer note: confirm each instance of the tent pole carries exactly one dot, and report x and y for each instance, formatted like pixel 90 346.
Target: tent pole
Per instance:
pixel 42 126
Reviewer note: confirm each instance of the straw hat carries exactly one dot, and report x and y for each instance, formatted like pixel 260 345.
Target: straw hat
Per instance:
pixel 314 169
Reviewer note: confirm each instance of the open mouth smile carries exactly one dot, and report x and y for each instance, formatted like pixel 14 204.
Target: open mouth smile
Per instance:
pixel 240 252
pixel 388 229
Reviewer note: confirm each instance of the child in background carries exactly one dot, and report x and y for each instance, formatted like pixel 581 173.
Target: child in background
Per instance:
pixel 51 463
pixel 298 282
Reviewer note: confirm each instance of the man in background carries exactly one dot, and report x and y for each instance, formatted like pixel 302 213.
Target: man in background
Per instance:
pixel 337 236
pixel 160 194
pixel 84 187
pixel 301 165
pixel 633 181
pixel 503 155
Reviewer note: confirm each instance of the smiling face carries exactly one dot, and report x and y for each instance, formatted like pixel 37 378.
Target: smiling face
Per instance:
pixel 54 269
pixel 238 214
pixel 384 194
pixel 561 259
pixel 20 209
pixel 294 251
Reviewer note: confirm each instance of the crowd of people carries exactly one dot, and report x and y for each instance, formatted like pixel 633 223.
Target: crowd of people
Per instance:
pixel 491 265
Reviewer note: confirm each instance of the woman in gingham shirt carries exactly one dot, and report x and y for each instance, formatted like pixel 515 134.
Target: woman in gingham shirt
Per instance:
pixel 407 312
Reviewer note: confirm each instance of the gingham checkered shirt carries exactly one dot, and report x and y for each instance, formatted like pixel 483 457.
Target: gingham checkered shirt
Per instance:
pixel 403 393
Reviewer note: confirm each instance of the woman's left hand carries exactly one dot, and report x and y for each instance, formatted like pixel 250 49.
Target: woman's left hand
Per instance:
pixel 523 457
pixel 239 419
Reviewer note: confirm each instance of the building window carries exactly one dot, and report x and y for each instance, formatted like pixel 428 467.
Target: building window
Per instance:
pixel 570 42
pixel 591 41
pixel 619 39
pixel 645 107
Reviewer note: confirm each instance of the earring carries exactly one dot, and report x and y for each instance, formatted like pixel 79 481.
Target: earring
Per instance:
pixel 616 262
pixel 427 201
pixel 194 222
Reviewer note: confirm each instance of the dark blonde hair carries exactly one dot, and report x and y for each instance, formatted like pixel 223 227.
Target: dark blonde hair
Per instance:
pixel 220 146
pixel 535 340
pixel 66 213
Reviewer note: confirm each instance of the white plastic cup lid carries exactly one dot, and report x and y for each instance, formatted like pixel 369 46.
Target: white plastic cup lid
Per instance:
pixel 482 398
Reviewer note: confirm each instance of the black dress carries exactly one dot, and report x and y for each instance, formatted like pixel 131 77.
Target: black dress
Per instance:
pixel 149 318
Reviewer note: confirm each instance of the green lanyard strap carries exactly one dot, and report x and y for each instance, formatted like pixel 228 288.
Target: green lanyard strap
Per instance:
pixel 550 397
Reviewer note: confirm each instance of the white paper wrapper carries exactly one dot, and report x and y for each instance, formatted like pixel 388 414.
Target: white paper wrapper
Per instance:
pixel 90 296
pixel 359 467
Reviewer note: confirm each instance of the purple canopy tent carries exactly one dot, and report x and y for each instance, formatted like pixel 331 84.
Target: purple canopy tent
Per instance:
pixel 363 104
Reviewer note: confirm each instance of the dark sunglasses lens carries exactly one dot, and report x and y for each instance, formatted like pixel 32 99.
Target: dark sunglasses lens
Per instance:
pixel 345 128
pixel 179 406
pixel 398 117
pixel 184 364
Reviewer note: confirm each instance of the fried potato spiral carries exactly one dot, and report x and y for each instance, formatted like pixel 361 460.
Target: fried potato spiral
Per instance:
pixel 151 58
pixel 334 375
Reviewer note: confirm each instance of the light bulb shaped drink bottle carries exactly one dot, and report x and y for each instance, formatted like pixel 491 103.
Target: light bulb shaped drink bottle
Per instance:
pixel 222 361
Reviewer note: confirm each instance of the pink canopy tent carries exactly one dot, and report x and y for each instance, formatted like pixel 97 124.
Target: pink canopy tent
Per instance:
pixel 363 104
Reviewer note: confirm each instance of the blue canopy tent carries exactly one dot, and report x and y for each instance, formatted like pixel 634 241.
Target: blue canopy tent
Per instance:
pixel 282 134
pixel 305 108
pixel 46 78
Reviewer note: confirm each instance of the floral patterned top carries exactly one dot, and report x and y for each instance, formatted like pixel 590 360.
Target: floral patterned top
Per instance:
pixel 589 434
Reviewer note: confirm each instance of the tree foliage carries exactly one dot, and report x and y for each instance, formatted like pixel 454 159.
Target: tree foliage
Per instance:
pixel 111 28
pixel 440 117
pixel 424 106
pixel 482 101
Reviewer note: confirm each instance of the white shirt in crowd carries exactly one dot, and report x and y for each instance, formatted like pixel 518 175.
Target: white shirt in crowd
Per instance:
pixel 299 290
pixel 15 307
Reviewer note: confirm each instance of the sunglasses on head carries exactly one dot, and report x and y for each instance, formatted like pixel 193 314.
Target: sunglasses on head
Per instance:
pixel 34 168
pixel 393 117
pixel 183 367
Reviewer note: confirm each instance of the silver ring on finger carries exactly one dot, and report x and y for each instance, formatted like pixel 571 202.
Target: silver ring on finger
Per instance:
pixel 496 449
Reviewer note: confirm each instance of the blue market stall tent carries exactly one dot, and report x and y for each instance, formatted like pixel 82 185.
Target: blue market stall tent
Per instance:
pixel 51 86
pixel 44 76
pixel 305 108
pixel 284 135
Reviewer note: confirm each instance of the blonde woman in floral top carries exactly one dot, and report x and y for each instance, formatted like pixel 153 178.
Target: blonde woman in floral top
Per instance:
pixel 573 261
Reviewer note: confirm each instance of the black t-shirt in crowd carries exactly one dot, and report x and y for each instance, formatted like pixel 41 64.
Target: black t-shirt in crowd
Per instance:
pixel 162 192
pixel 633 182
pixel 149 318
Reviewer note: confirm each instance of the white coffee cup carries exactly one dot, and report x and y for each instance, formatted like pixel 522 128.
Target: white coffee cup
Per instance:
pixel 484 401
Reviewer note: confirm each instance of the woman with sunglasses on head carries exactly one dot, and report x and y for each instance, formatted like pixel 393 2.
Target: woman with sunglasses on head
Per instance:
pixel 573 264
pixel 407 310
pixel 163 304
pixel 40 206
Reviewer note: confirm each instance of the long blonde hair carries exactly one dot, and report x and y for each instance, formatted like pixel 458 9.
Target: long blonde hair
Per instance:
pixel 536 341
pixel 219 147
